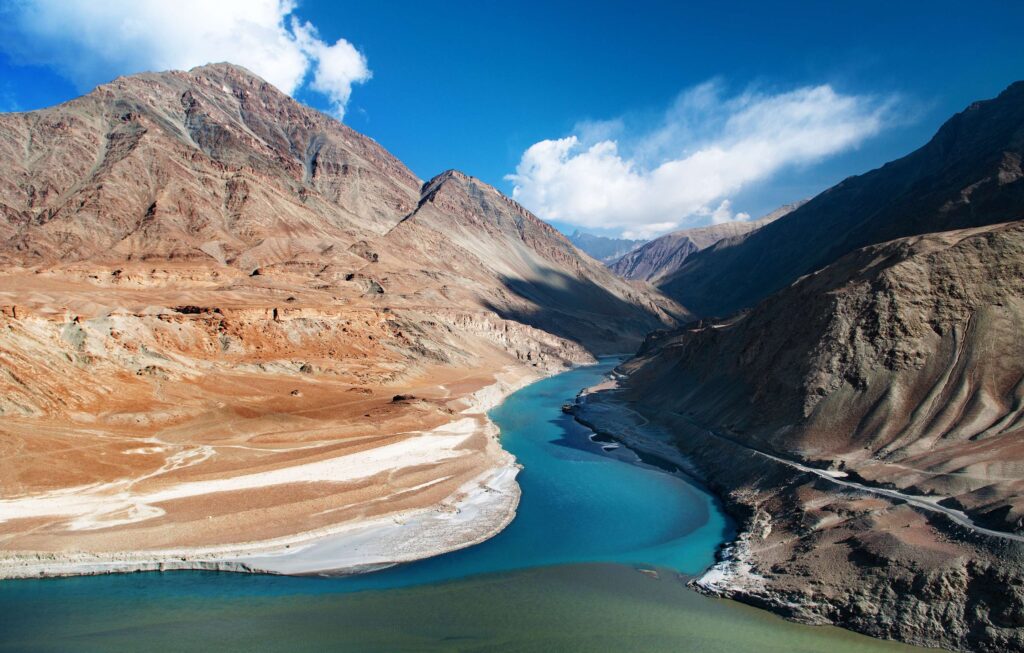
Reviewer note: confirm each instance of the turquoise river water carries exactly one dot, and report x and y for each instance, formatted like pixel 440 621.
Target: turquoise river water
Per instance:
pixel 564 576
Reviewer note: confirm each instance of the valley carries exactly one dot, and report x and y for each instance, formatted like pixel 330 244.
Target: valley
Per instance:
pixel 233 325
pixel 861 416
pixel 237 335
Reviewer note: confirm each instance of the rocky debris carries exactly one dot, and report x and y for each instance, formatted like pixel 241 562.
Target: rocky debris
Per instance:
pixel 196 310
pixel 363 250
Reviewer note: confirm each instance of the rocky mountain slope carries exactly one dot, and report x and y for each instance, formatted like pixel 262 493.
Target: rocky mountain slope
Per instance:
pixel 906 367
pixel 207 287
pixel 662 256
pixel 604 249
pixel 968 175
pixel 897 366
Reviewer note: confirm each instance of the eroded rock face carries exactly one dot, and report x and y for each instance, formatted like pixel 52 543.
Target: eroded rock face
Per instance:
pixel 202 279
pixel 209 164
pixel 901 361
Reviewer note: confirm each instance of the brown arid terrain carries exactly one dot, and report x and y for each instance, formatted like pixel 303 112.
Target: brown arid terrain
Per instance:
pixel 659 258
pixel 233 329
pixel 864 423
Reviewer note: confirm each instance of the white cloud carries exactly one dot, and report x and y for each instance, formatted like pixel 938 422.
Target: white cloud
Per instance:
pixel 91 42
pixel 649 231
pixel 724 214
pixel 337 66
pixel 705 148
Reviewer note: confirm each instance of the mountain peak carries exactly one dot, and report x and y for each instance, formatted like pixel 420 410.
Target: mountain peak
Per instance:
pixel 224 67
pixel 225 71
pixel 218 74
pixel 662 256
pixel 174 160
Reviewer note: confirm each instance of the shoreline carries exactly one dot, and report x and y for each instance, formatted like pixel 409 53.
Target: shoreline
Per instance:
pixel 727 560
pixel 731 571
pixel 732 576
pixel 289 555
pixel 783 555
pixel 476 512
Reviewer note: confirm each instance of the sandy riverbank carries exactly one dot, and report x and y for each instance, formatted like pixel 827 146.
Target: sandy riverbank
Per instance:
pixel 477 510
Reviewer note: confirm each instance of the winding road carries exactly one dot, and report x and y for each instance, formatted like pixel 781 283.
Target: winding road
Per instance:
pixel 930 504
pixel 925 503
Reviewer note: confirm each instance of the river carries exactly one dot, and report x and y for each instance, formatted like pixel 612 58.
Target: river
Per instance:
pixel 596 560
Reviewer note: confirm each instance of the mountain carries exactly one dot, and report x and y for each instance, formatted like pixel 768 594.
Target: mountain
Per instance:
pixel 663 256
pixel 604 249
pixel 542 281
pixel 208 287
pixel 905 359
pixel 968 175
pixel 864 422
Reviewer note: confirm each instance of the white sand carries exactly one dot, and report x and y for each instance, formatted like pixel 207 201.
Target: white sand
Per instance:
pixel 483 508
pixel 92 507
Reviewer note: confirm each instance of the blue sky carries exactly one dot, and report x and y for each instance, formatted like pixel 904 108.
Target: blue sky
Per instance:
pixel 689 95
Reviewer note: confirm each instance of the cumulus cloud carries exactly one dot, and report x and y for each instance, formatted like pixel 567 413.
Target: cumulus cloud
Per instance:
pixel 91 42
pixel 724 214
pixel 336 67
pixel 682 171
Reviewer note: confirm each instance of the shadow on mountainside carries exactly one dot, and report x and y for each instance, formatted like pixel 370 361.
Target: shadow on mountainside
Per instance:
pixel 578 310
